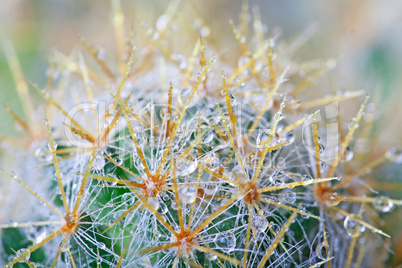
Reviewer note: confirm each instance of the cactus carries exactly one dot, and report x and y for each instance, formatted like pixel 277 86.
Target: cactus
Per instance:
pixel 221 167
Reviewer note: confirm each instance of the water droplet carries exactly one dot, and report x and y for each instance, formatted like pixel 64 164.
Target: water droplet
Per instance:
pixel 305 177
pixel 102 245
pixel 13 223
pixel 36 234
pixel 277 179
pixel 260 223
pixel 31 233
pixel 333 199
pixel 262 138
pixel 112 110
pixel 164 113
pixel 394 155
pixel 252 161
pixel 351 123
pixel 118 160
pixel 112 176
pixel 176 117
pixel 187 194
pixel 39 153
pixel 64 248
pixel 226 121
pixel 321 252
pixel 185 168
pixel 163 209
pixel 321 149
pixel 222 92
pixel 127 199
pixel 281 162
pixel 137 162
pixel 153 202
pixel 100 53
pixel 162 22
pixel 57 190
pixel 350 227
pixel 214 163
pixel 137 126
pixel 290 137
pixel 98 163
pixel 141 139
pixel 208 137
pixel 233 100
pixel 242 60
pixel 348 154
pixel 289 197
pixel 369 117
pixel 23 254
pixel 70 217
pixel 383 204
pixel 275 227
pixel 10 258
pixel 44 121
pixel 80 193
pixel 304 216
pixel 158 234
pixel 211 257
pixel 174 205
pixel 185 93
pixel 164 196
pixel 278 116
pixel 294 103
pixel 155 36
pixel 225 241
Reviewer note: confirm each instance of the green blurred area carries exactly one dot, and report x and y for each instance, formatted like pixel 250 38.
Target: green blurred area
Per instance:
pixel 29 57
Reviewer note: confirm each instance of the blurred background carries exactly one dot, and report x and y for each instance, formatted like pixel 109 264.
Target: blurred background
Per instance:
pixel 363 35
